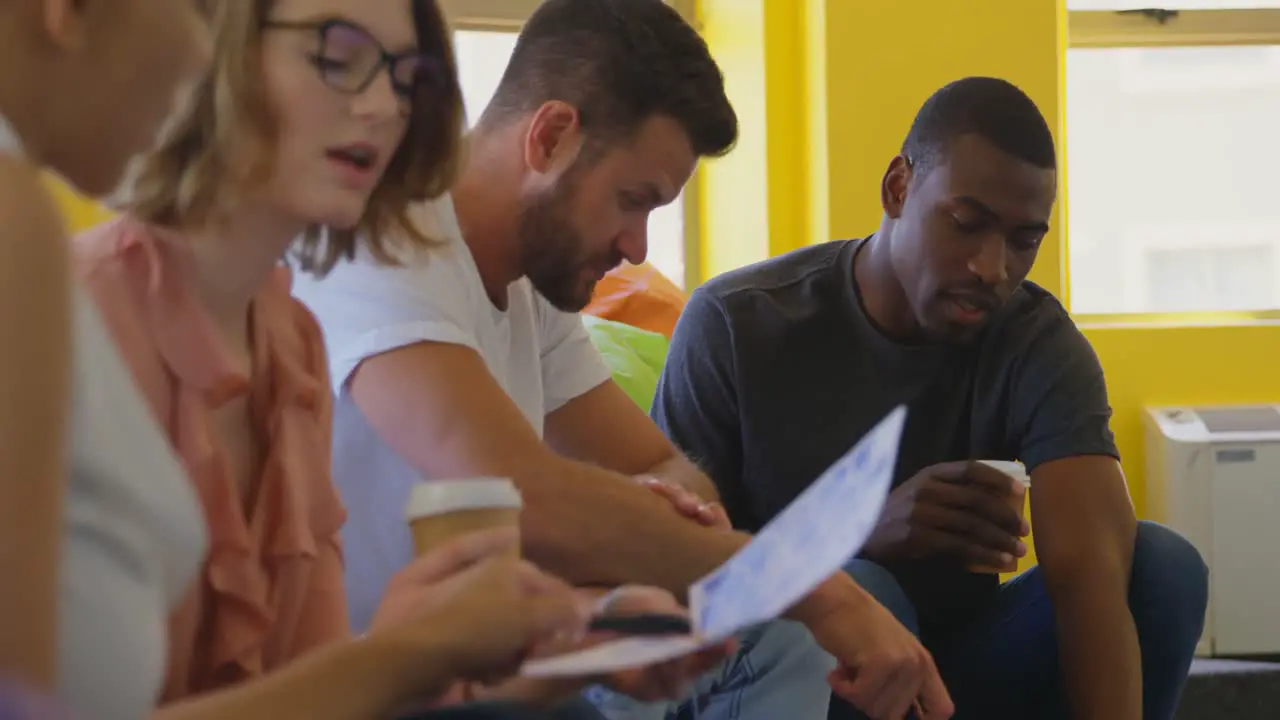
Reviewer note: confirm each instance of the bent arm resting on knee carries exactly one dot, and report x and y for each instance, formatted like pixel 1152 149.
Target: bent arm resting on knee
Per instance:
pixel 1084 536
pixel 438 406
pixel 604 427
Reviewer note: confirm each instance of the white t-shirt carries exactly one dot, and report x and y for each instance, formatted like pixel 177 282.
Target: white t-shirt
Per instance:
pixel 133 536
pixel 541 357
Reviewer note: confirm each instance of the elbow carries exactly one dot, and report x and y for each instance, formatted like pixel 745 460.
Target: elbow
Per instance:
pixel 550 528
pixel 1101 560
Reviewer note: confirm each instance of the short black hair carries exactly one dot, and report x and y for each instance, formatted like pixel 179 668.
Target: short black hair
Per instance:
pixel 620 63
pixel 995 110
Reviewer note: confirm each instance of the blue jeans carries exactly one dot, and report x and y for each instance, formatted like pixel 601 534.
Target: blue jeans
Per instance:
pixel 1005 663
pixel 778 673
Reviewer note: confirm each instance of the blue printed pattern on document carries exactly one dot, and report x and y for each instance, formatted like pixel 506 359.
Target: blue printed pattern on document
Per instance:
pixel 809 541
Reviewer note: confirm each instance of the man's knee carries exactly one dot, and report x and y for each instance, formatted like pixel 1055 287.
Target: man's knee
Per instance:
pixel 881 585
pixel 1167 567
pixel 783 647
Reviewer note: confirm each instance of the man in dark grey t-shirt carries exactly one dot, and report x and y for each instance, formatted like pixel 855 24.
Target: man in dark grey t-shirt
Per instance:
pixel 777 369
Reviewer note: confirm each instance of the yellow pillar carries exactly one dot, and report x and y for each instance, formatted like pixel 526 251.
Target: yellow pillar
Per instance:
pixel 752 202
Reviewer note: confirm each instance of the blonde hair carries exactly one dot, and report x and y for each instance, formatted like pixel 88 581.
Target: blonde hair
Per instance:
pixel 222 144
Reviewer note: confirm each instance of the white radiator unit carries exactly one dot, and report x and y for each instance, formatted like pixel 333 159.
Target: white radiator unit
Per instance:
pixel 1213 474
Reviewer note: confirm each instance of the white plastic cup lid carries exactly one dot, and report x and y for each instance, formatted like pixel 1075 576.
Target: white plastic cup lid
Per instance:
pixel 1012 468
pixel 441 497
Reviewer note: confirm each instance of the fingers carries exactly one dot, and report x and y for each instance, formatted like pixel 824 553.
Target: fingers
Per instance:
pixel 995 509
pixel 902 689
pixel 948 471
pixel 687 503
pixel 940 542
pixel 460 553
pixel 934 701
pixel 990 479
pixel 553 616
pixel 534 581
pixel 640 599
pixel 720 517
pixel 889 690
pixel 892 686
pixel 971 529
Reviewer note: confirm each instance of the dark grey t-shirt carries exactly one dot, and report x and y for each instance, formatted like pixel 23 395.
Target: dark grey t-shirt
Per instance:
pixel 775 371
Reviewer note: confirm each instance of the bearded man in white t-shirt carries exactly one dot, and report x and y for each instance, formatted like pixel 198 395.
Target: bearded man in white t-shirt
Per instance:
pixel 472 361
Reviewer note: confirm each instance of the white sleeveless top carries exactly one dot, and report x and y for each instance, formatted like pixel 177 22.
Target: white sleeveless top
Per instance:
pixel 134 532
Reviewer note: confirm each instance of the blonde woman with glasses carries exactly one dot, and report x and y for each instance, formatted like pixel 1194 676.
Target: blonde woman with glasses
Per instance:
pixel 325 120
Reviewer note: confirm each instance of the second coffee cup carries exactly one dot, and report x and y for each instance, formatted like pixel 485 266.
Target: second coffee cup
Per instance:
pixel 441 510
pixel 1017 499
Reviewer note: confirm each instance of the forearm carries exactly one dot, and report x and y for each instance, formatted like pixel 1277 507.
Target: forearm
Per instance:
pixel 594 527
pixel 350 681
pixel 538 694
pixel 1098 650
pixel 680 470
pixel 837 595
pixel 1085 534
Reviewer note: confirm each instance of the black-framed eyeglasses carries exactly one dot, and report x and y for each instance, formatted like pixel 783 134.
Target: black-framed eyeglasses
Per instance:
pixel 349 58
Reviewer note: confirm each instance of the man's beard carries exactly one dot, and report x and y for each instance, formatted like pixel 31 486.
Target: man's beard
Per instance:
pixel 551 251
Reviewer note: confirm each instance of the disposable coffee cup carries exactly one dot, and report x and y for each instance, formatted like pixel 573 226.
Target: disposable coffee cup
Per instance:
pixel 1017 499
pixel 441 510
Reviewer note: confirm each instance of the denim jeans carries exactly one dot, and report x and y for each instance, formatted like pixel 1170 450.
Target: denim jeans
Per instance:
pixel 778 673
pixel 1004 665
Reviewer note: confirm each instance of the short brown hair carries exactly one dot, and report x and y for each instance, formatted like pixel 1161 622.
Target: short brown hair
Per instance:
pixel 619 62
pixel 224 137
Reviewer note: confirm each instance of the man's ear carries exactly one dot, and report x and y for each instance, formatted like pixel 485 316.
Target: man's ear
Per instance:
pixel 64 21
pixel 554 137
pixel 894 186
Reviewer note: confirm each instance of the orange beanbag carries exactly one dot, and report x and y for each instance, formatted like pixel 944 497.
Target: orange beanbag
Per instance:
pixel 639 296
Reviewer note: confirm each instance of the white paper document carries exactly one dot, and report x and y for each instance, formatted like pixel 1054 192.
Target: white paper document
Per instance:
pixel 818 533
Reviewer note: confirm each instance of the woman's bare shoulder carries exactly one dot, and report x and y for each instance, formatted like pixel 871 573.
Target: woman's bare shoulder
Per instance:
pixel 30 221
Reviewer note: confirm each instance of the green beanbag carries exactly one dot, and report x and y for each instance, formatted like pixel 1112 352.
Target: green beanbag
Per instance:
pixel 634 356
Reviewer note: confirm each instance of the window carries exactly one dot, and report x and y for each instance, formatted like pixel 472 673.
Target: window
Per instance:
pixel 484 37
pixel 1173 203
pixel 1210 279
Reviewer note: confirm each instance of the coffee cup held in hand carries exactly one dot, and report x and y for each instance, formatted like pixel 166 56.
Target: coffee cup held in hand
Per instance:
pixel 441 510
pixel 1017 499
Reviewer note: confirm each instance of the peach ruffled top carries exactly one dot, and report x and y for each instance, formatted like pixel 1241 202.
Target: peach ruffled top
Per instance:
pixel 271 587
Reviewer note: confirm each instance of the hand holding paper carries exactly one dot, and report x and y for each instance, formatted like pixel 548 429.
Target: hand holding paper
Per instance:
pixel 808 542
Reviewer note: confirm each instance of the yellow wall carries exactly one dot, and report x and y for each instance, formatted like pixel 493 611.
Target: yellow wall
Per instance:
pixel 864 68
pixel 885 58
pixel 826 89
pixel 750 200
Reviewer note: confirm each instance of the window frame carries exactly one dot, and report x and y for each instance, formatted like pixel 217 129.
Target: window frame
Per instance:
pixel 509 16
pixel 1093 29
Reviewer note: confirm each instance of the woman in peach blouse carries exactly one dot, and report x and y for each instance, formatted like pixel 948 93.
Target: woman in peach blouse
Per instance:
pixel 323 119
pixel 317 113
